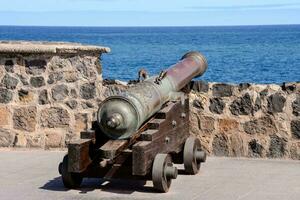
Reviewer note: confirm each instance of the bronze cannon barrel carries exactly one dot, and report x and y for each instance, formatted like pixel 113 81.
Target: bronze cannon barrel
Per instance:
pixel 121 116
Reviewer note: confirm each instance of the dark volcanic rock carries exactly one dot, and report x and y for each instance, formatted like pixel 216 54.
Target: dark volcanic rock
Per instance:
pixel 289 87
pixel 88 91
pixel 9 66
pixel 43 97
pixel 257 105
pixel 263 93
pixel 296 106
pixel 276 103
pixel 277 148
pixel 222 90
pixel 295 128
pixel 9 82
pixel 54 77
pixel 216 105
pixel 37 81
pixel 244 86
pixel 23 93
pixel 255 149
pixel 60 92
pixel 35 67
pixel 199 86
pixel 220 145
pixel 242 106
pixel 23 79
pixel 262 126
pixel 5 95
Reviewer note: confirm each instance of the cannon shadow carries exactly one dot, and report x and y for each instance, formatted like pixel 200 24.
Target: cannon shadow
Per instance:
pixel 91 184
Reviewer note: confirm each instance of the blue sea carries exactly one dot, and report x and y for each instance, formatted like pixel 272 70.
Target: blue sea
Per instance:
pixel 255 54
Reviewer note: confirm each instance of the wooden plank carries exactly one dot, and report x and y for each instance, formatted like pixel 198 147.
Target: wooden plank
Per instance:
pixel 112 148
pixel 89 134
pixel 168 137
pixel 78 155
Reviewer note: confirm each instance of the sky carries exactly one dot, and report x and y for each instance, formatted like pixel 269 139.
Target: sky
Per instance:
pixel 148 12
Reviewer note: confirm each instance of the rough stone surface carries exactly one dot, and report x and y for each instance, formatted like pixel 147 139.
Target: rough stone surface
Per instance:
pixel 199 86
pixel 25 118
pixel 9 82
pixel 72 104
pixel 5 95
pixel 277 148
pixel 264 126
pixel 54 117
pixel 236 144
pixel 55 77
pixel 36 66
pixel 242 106
pixel 295 128
pixel 87 91
pixel 25 96
pixel 296 106
pixel 216 105
pixel 60 92
pixel 255 148
pixel 222 90
pixel 4 116
pixel 43 97
pixel 220 145
pixel 54 138
pixel 81 122
pixel 228 125
pixel 37 81
pixel 9 66
pixel 276 103
pixel 6 137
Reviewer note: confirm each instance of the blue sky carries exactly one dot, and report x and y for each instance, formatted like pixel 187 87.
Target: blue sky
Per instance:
pixel 148 12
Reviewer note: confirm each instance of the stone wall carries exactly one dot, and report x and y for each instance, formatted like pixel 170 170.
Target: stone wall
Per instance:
pixel 247 119
pixel 48 92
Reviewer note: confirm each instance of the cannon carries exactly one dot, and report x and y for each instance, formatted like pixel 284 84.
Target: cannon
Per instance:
pixel 141 132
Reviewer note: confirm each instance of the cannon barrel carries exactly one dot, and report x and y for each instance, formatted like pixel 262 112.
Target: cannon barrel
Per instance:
pixel 119 117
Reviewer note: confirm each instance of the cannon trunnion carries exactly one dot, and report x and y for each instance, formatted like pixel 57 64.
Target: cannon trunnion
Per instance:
pixel 148 151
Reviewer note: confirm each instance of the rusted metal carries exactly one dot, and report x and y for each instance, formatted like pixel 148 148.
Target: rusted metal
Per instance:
pixel 120 116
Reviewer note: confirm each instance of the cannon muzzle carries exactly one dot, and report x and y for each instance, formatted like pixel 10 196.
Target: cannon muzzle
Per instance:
pixel 119 117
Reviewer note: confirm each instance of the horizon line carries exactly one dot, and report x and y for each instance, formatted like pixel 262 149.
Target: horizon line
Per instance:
pixel 146 26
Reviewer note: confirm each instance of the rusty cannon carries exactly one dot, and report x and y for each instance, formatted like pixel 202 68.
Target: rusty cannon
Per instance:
pixel 141 132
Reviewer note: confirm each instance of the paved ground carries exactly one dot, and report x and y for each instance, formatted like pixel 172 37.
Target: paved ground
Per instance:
pixel 30 175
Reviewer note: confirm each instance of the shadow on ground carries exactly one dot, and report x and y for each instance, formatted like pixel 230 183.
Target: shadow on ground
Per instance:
pixel 91 184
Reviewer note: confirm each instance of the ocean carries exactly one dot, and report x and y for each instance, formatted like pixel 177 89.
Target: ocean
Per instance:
pixel 252 54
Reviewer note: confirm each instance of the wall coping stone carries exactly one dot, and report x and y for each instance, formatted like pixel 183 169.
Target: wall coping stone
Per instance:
pixel 40 47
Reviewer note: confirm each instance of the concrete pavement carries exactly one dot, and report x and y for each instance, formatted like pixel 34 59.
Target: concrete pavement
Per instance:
pixel 33 175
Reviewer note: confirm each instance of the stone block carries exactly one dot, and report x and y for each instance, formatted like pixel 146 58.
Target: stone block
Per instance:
pixel 5 95
pixel 55 77
pixel 37 81
pixel 35 140
pixel 70 76
pixel 222 90
pixel 4 116
pixel 295 151
pixel 277 148
pixel 216 105
pixel 255 149
pixel 276 103
pixel 7 137
pixel 43 97
pixel 227 125
pixel 295 128
pixel 264 125
pixel 54 138
pixel 244 86
pixel 296 106
pixel 88 91
pixel 9 66
pixel 35 66
pixel 54 117
pixel 9 82
pixel 237 145
pixel 220 145
pixel 60 92
pixel 206 124
pixel 242 106
pixel 25 118
pixel 72 104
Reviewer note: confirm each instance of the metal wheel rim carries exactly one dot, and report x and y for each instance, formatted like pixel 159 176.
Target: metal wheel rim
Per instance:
pixel 191 146
pixel 160 181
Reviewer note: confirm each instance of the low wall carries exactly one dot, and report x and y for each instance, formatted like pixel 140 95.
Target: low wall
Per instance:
pixel 247 119
pixel 48 92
